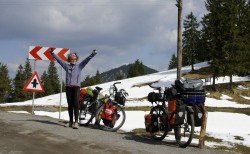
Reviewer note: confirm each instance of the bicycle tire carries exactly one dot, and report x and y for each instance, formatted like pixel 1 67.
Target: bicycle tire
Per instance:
pixel 163 128
pixel 88 115
pixel 184 133
pixel 119 122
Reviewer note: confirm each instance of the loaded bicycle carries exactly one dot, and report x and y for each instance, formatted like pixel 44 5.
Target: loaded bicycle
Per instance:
pixel 174 110
pixel 110 115
pixel 107 112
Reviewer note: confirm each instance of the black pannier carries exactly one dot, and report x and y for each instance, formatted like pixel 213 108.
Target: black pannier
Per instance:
pixel 198 114
pixel 180 112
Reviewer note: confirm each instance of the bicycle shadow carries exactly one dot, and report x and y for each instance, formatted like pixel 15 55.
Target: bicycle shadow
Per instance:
pixel 147 139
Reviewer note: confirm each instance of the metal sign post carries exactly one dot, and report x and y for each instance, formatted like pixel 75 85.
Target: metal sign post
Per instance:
pixel 33 100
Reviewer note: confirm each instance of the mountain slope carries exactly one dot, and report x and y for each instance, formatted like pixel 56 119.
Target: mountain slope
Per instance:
pixel 111 74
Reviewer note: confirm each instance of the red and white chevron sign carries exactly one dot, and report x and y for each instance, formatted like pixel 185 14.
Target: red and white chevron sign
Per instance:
pixel 43 53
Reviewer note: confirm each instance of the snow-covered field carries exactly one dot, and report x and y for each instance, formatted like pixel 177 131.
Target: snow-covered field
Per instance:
pixel 221 125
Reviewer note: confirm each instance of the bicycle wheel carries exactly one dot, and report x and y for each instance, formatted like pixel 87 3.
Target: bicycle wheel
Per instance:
pixel 119 117
pixel 86 114
pixel 163 128
pixel 184 133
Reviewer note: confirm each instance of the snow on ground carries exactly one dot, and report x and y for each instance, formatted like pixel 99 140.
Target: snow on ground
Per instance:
pixel 232 128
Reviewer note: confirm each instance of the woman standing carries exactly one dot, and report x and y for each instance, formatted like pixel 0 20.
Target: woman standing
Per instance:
pixel 73 79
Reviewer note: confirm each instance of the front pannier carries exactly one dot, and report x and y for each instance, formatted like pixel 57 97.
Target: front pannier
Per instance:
pixel 151 123
pixel 109 115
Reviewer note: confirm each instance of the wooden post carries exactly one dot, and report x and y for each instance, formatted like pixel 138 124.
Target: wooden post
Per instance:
pixel 203 130
pixel 179 39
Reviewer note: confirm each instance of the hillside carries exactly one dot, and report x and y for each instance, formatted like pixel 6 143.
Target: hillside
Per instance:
pixel 111 74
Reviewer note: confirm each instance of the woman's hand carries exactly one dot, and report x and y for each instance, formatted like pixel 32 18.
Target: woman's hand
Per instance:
pixel 94 52
pixel 51 50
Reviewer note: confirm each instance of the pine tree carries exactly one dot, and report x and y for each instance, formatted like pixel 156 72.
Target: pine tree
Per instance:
pixel 223 28
pixel 28 74
pixel 190 42
pixel 244 35
pixel 5 86
pixel 46 82
pixel 97 78
pixel 53 77
pixel 88 81
pixel 19 94
pixel 136 69
pixel 173 62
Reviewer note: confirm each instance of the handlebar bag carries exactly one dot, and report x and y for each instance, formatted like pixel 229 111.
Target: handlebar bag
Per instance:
pixel 153 97
pixel 119 98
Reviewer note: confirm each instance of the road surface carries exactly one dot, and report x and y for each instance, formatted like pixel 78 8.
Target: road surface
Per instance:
pixel 27 133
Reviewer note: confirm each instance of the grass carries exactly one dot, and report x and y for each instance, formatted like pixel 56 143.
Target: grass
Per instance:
pixel 36 108
pixel 230 110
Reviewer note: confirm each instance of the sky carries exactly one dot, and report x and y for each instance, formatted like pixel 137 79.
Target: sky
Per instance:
pixel 217 127
pixel 122 31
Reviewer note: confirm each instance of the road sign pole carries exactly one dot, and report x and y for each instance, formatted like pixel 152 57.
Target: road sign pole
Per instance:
pixel 33 102
pixel 61 94
pixel 33 92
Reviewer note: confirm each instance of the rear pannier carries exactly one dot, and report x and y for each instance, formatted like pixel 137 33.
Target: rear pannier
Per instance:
pixel 176 112
pixel 193 98
pixel 191 91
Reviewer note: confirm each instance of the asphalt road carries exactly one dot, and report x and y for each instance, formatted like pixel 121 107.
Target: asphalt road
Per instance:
pixel 25 133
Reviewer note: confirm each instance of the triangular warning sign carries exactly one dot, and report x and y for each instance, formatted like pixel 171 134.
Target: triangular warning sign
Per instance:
pixel 34 84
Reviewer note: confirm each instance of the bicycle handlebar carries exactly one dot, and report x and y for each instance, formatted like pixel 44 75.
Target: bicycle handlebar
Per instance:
pixel 115 88
pixel 157 88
